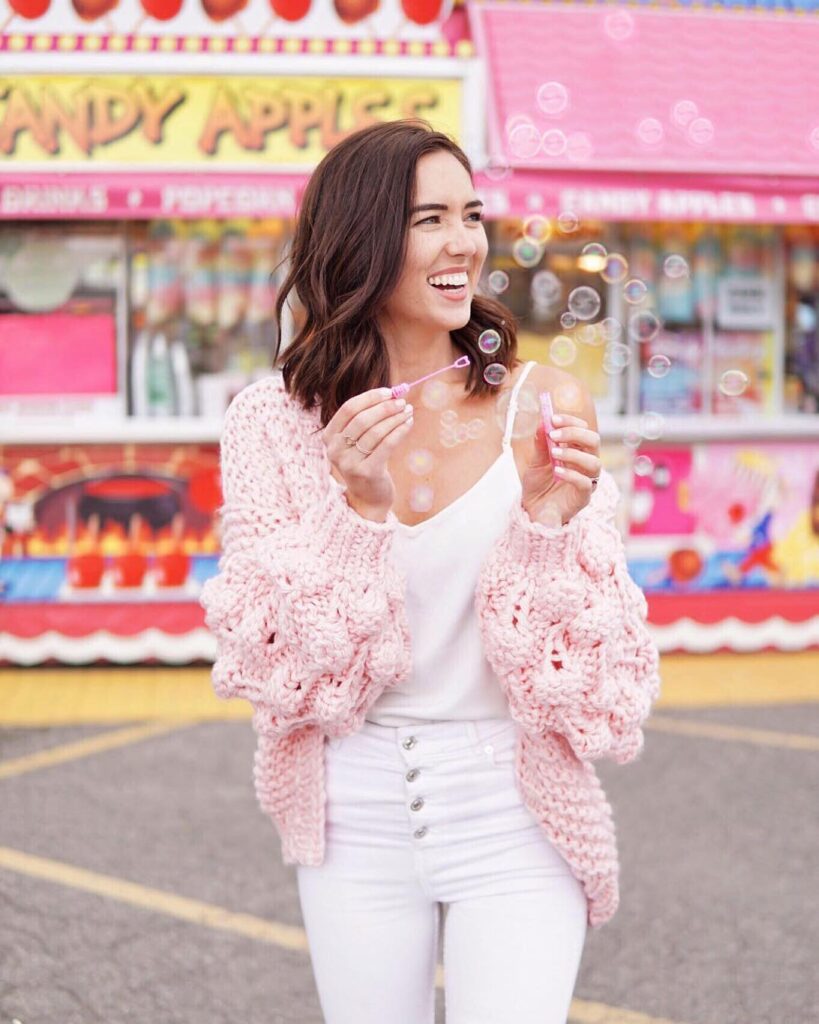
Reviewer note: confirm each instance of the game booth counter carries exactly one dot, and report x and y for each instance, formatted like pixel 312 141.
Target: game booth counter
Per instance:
pixel 150 175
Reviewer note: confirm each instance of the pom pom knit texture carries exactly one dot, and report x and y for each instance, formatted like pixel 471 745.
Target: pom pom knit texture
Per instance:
pixel 308 611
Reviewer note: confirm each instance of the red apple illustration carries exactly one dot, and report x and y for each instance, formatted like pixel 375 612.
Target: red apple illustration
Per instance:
pixel 351 11
pixel 222 10
pixel 291 10
pixel 422 12
pixel 162 10
pixel 91 10
pixel 29 9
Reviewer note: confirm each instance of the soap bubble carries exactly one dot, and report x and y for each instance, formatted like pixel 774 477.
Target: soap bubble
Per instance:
pixel 462 432
pixel 675 266
pixel 616 357
pixel 619 25
pixel 498 281
pixel 579 146
pixel 584 302
pixel 552 98
pixel 524 141
pixel 650 131
pixel 527 253
pixel 449 418
pixel 562 350
pixel 494 373
pixel 632 439
pixel 733 382
pixel 489 342
pixel 568 221
pixel 634 291
pixel 643 466
pixel 497 168
pixel 567 321
pixel 700 131
pixel 594 249
pixel 420 461
pixel 615 269
pixel 683 112
pixel 475 428
pixel 644 326
pixel 651 425
pixel 527 417
pixel 611 329
pixel 568 396
pixel 537 228
pixel 590 334
pixel 658 366
pixel 553 142
pixel 420 498
pixel 546 286
pixel 435 394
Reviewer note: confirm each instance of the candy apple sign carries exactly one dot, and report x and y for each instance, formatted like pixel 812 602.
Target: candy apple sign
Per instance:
pixel 351 11
pixel 29 9
pixel 90 10
pixel 161 10
pixel 290 10
pixel 422 12
pixel 222 10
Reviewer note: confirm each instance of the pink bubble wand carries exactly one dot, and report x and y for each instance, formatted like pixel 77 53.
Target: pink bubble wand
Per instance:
pixel 401 389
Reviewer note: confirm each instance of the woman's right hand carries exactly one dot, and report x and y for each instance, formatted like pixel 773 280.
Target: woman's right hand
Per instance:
pixel 379 423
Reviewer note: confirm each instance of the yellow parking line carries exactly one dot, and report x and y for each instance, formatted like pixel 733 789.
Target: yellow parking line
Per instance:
pixel 83 748
pixel 210 916
pixel 736 733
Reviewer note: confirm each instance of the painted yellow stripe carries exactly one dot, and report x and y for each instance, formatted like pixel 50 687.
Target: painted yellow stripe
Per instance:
pixel 731 680
pixel 84 748
pixel 734 733
pixel 210 916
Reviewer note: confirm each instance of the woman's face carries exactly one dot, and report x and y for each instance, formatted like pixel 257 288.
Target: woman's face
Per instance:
pixel 446 245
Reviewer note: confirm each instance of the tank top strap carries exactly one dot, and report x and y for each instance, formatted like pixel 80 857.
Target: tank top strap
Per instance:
pixel 513 404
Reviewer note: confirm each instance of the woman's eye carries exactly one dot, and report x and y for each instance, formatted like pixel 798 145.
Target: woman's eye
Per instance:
pixel 477 217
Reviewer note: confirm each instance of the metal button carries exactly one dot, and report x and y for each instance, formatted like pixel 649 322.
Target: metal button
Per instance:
pixel 419 833
pixel 413 774
pixel 417 804
pixel 489 748
pixel 409 742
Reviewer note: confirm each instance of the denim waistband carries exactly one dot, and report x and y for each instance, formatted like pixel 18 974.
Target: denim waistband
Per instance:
pixel 438 737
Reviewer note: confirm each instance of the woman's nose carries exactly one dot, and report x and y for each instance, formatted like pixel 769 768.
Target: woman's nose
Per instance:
pixel 462 242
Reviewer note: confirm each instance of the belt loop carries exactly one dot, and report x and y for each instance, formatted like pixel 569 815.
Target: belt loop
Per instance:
pixel 472 732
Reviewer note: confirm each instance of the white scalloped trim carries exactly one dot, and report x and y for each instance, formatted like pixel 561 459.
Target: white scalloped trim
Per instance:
pixel 168 648
pixel 735 635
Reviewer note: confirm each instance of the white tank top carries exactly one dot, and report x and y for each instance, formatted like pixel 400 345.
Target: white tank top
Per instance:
pixel 442 557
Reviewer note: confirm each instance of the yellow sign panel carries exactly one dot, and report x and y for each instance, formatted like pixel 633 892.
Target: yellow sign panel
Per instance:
pixel 177 120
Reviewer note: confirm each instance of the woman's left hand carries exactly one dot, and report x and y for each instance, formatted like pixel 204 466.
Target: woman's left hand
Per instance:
pixel 552 495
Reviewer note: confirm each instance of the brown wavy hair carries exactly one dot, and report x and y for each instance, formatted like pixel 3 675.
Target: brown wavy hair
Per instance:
pixel 346 259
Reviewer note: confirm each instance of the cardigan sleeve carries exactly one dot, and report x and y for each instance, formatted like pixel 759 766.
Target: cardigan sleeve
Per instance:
pixel 307 608
pixel 564 629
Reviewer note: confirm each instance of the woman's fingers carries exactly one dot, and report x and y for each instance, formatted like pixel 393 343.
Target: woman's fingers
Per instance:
pixel 575 458
pixel 576 436
pixel 571 476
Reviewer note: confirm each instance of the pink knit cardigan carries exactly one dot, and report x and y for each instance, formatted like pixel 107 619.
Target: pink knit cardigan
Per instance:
pixel 308 611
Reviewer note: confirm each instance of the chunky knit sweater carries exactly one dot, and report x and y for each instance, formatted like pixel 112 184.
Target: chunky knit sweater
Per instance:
pixel 309 615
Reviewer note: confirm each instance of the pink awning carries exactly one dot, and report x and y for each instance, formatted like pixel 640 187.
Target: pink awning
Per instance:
pixel 656 92
pixel 114 195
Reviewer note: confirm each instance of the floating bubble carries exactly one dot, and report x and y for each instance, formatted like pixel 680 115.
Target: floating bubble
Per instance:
pixel 643 466
pixel 568 396
pixel 619 25
pixel 590 334
pixel 733 382
pixel 527 253
pixel 562 350
pixel 568 221
pixel 489 342
pixel 515 121
pixel 449 418
pixel 813 138
pixel 611 329
pixel 494 373
pixel 700 131
pixel 658 366
pixel 462 433
pixel 420 461
pixel 650 131
pixel 498 281
pixel 634 291
pixel 675 266
pixel 552 98
pixel 527 417
pixel 546 287
pixel 632 439
pixel 475 428
pixel 616 357
pixel 683 112
pixel 553 142
pixel 497 169
pixel 615 269
pixel 584 302
pixel 420 498
pixel 567 321
pixel 594 249
pixel 435 394
pixel 651 425
pixel 524 141
pixel 644 326
pixel 579 146
pixel 537 228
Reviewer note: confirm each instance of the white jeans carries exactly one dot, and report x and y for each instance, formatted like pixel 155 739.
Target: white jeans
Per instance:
pixel 424 816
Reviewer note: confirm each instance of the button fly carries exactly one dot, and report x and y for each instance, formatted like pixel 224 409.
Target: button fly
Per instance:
pixel 409 742
pixel 419 833
pixel 417 804
pixel 412 774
